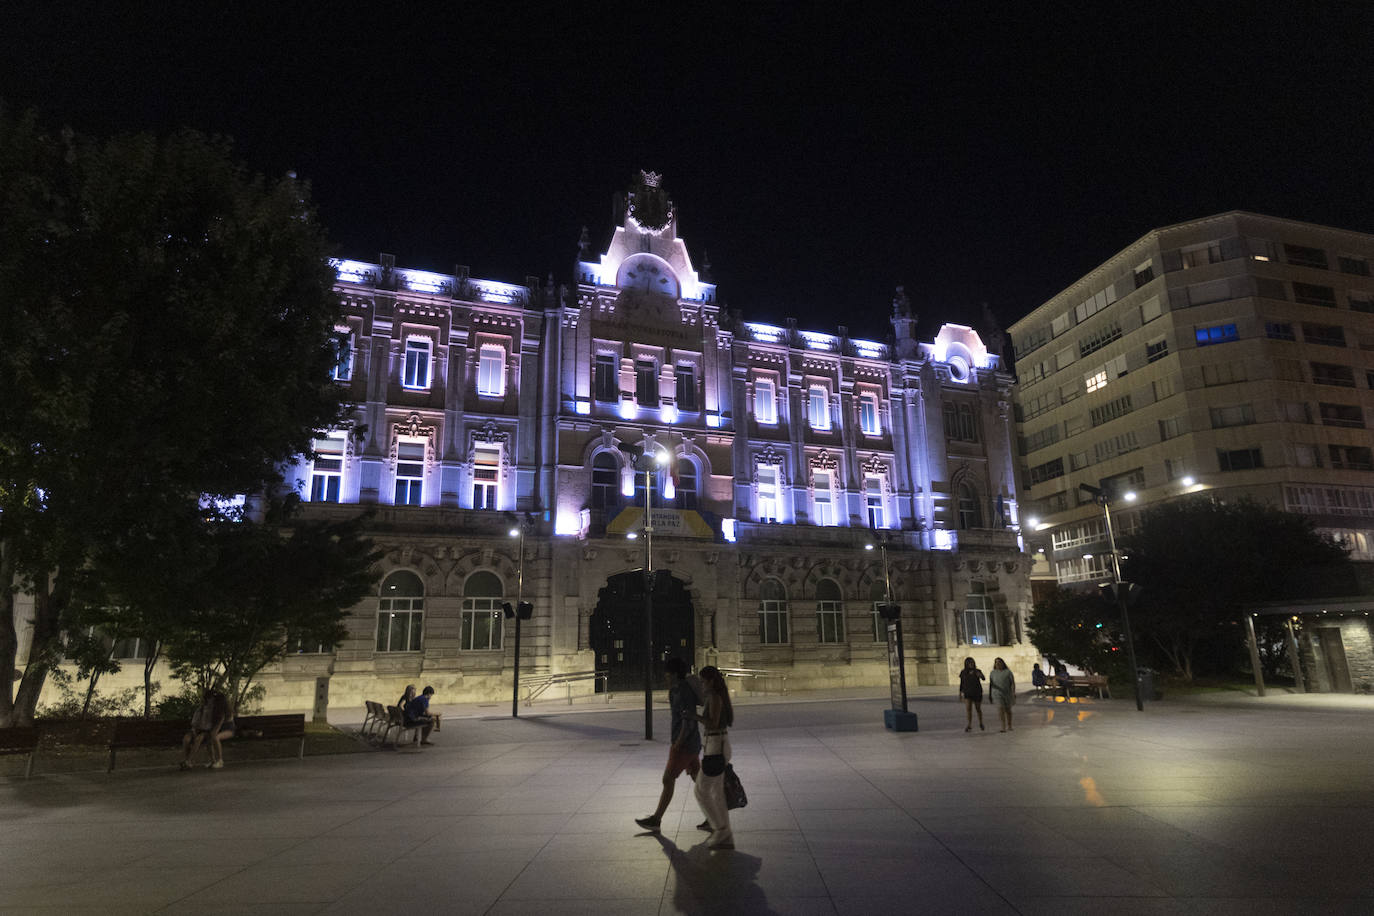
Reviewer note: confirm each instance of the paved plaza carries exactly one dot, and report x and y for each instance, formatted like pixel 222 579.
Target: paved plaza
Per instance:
pixel 1254 806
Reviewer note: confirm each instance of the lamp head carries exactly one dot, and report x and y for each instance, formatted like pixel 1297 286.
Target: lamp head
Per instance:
pixel 515 532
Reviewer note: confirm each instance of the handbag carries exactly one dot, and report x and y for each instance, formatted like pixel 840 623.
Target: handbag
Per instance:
pixel 734 789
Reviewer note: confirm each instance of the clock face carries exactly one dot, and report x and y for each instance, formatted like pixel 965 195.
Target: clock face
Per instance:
pixel 648 274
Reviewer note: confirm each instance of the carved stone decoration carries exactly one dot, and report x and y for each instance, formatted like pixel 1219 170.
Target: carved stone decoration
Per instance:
pixel 821 462
pixel 588 554
pixel 711 556
pixel 489 433
pixel 771 456
pixel 974 565
pixel 1011 567
pixel 411 428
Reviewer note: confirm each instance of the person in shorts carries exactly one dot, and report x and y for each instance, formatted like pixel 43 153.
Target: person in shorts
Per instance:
pixel 684 753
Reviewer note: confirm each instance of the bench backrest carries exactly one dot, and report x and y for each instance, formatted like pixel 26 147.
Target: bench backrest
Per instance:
pixel 18 739
pixel 290 725
pixel 149 732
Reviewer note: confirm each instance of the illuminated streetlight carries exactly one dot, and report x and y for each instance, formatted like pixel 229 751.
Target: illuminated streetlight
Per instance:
pixel 522 611
pixel 1103 499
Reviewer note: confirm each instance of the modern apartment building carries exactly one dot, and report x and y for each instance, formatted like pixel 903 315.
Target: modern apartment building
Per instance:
pixel 1232 355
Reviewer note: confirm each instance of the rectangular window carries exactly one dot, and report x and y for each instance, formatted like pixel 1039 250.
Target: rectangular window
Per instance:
pixel 410 472
pixel 823 499
pixel 1110 410
pixel 961 422
pixel 1201 255
pixel 1303 256
pixel 1144 273
pixel 868 414
pixel 873 497
pixel 1351 457
pixel 1327 335
pixel 768 493
pixel 829 621
pixel 1223 373
pixel 1232 415
pixel 1262 249
pixel 765 401
pixel 1357 266
pixel 686 386
pixel 1361 302
pixel 606 378
pixel 1294 412
pixel 1348 415
pixel 1156 349
pixel 1221 333
pixel 980 624
pixel 1150 309
pixel 1330 374
pixel 491 372
pixel 326 471
pixel 486 469
pixel 481 624
pixel 1279 330
pixel 343 356
pixel 1170 428
pixel 773 622
pixel 646 382
pixel 1165 387
pixel 1061 323
pixel 1047 471
pixel 1098 339
pixel 1310 294
pixel 818 407
pixel 417 358
pixel 400 621
pixel 1242 459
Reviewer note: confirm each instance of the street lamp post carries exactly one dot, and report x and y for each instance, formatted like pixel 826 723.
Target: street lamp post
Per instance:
pixel 898 717
pixel 521 612
pixel 1103 499
pixel 658 459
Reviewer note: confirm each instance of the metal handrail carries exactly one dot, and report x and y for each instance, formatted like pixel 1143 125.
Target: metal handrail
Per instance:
pixel 536 685
pixel 755 674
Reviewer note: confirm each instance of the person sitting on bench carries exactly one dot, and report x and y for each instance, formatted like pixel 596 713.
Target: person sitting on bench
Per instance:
pixel 416 715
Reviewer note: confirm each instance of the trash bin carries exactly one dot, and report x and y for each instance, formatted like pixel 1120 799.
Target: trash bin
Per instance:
pixel 1146 678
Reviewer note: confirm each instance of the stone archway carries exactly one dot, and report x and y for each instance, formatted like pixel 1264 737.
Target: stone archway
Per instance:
pixel 617 628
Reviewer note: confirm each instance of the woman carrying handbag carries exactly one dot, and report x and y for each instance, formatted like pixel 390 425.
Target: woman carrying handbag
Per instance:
pixel 717 717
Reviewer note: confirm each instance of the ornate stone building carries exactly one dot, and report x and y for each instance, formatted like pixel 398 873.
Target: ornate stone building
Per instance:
pixel 787 454
pixel 790 454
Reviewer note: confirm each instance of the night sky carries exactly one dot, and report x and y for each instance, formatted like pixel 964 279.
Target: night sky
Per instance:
pixel 821 154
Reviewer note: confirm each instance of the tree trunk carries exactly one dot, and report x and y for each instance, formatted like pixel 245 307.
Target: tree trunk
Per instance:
pixel 9 636
pixel 148 664
pixel 48 604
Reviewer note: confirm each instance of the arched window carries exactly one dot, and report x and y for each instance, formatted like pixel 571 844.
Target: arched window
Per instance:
pixel 970 511
pixel 400 612
pixel 605 481
pixel 686 484
pixel 482 628
pixel 772 613
pixel 829 612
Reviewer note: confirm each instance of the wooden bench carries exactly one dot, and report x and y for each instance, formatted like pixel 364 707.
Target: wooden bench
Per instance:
pixel 375 722
pixel 1086 682
pixel 132 733
pixel 397 721
pixel 20 739
pixel 289 725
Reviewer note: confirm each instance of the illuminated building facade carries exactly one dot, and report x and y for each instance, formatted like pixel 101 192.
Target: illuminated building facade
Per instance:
pixel 483 407
pixel 1232 355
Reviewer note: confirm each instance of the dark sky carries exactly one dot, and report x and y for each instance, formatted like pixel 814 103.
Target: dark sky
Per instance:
pixel 821 153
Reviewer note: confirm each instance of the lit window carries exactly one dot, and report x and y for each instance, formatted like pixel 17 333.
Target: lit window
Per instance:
pixel 481 619
pixel 486 469
pixel 980 624
pixel 400 613
pixel 829 612
pixel 686 387
pixel 873 495
pixel 326 472
pixel 765 404
pixel 491 372
pixel 818 403
pixel 646 382
pixel 772 613
pixel 768 493
pixel 868 414
pixel 417 361
pixel 823 499
pixel 606 379
pixel 1222 333
pixel 410 472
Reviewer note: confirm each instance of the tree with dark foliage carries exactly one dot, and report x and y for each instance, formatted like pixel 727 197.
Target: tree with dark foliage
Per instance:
pixel 167 320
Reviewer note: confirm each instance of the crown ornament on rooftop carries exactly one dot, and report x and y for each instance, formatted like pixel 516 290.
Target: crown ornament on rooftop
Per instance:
pixel 648 202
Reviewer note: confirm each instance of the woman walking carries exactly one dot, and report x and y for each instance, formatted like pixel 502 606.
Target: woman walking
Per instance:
pixel 1002 691
pixel 971 690
pixel 717 716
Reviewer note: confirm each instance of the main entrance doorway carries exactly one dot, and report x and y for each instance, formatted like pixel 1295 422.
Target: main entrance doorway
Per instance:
pixel 617 628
